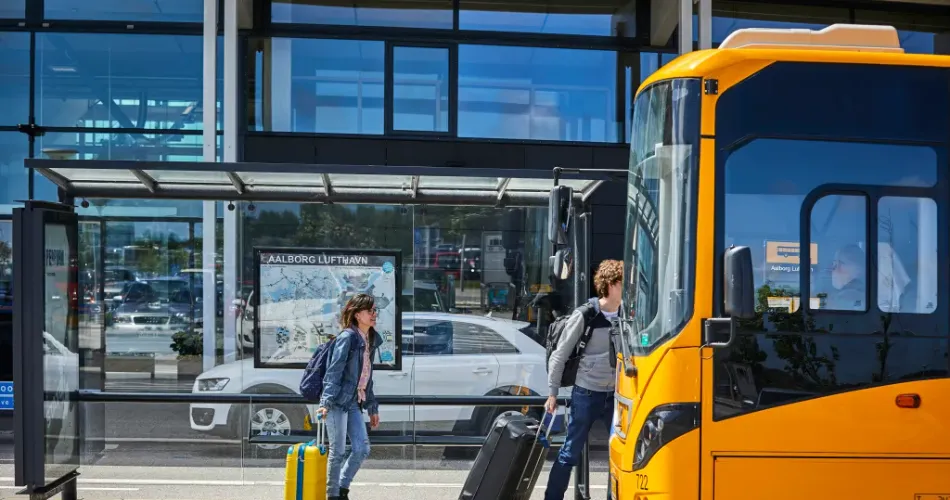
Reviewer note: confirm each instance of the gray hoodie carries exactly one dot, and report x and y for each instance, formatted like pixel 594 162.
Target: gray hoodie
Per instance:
pixel 594 371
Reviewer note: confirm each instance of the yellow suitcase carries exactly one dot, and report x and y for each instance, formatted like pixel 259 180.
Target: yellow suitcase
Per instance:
pixel 306 473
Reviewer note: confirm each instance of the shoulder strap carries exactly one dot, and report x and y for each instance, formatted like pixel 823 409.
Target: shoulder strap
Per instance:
pixel 589 313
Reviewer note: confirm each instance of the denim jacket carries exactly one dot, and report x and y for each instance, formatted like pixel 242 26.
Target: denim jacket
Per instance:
pixel 344 368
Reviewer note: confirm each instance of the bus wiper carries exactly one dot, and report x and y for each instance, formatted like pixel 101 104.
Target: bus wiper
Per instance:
pixel 629 368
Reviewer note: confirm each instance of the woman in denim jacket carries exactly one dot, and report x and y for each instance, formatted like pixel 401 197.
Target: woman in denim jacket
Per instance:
pixel 347 391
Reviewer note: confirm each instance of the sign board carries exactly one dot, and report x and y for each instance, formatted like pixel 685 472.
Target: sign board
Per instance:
pixel 6 396
pixel 785 252
pixel 300 293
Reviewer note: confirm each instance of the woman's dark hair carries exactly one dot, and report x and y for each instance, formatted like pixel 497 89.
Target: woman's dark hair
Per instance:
pixel 359 302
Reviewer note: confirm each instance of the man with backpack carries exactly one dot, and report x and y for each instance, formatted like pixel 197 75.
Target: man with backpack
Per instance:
pixel 582 354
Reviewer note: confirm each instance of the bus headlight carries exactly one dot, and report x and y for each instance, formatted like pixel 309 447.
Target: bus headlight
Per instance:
pixel 664 424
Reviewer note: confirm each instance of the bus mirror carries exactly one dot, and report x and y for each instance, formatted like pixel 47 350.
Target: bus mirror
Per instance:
pixel 738 286
pixel 559 209
pixel 561 264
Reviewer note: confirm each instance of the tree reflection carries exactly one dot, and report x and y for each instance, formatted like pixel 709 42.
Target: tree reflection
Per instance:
pixel 793 340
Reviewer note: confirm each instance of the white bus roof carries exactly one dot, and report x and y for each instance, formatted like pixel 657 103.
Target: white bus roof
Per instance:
pixel 854 37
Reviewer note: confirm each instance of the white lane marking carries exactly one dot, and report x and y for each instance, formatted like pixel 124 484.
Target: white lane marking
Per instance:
pixel 185 482
pixel 80 488
pixel 169 440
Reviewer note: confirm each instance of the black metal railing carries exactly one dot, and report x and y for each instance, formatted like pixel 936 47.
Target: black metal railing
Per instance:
pixel 418 438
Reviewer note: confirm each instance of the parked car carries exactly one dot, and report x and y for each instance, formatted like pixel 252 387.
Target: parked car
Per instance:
pixel 442 354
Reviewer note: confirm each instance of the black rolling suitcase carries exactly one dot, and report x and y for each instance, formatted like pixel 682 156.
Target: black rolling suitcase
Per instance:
pixel 508 464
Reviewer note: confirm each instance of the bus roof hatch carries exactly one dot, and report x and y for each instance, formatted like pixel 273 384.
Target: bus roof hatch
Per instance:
pixel 854 37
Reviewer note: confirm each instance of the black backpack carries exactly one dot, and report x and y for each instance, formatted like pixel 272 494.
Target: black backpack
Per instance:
pixel 556 331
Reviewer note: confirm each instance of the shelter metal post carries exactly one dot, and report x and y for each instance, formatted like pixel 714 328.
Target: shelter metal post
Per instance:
pixel 581 285
pixel 209 152
pixel 231 79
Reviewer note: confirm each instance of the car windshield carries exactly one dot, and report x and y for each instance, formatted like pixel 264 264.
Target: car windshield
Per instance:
pixel 661 210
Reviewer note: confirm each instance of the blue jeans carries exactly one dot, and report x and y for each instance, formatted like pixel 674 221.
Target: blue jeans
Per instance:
pixel 587 407
pixel 342 465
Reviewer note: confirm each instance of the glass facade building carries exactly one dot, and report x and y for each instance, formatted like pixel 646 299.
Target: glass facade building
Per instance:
pixel 474 83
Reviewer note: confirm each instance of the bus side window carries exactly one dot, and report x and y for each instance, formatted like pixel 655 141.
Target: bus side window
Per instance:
pixel 907 255
pixel 839 263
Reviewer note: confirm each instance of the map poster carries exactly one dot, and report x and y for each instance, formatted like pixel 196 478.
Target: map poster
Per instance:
pixel 300 293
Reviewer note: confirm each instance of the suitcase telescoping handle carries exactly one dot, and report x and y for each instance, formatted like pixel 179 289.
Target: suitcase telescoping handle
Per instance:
pixel 547 429
pixel 545 444
pixel 321 440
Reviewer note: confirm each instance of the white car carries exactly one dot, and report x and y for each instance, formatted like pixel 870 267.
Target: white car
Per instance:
pixel 442 354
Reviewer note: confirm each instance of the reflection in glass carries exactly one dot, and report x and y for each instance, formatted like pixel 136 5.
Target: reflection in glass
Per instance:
pixel 454 274
pixel 919 34
pixel 581 18
pixel 92 309
pixel 148 292
pixel 389 13
pixel 6 310
pixel 14 77
pixel 536 93
pixel 328 86
pixel 60 358
pixel 763 206
pixel 14 180
pixel 103 145
pixel 907 255
pixel 125 81
pixel 181 11
pixel 839 271
pixel 421 89
pixel 13 9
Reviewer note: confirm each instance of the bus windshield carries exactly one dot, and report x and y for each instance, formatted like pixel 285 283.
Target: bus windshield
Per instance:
pixel 661 212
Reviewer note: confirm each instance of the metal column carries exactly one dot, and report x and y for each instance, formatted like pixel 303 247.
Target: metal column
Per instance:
pixel 685 26
pixel 209 150
pixel 230 110
pixel 705 24
pixel 581 229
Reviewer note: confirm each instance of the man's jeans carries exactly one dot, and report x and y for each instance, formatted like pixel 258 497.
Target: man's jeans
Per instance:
pixel 342 465
pixel 587 407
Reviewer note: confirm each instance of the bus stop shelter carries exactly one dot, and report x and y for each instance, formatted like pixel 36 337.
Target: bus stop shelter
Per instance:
pixel 47 391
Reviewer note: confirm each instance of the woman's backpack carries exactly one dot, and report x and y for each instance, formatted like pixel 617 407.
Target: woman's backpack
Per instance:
pixel 311 385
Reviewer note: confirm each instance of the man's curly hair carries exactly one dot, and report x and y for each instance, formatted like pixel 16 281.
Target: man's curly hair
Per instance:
pixel 608 273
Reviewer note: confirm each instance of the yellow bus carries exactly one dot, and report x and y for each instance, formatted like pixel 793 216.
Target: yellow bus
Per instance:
pixel 731 384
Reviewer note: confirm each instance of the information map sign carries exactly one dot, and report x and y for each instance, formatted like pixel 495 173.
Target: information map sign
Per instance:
pixel 6 396
pixel 300 292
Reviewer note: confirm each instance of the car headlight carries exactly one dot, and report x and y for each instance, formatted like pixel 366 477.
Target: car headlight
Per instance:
pixel 212 384
pixel 664 424
pixel 123 319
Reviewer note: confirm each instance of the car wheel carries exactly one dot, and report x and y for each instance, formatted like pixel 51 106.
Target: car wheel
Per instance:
pixel 274 420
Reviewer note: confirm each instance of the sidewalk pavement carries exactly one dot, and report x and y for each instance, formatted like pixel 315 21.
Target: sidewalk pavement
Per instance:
pixel 173 483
